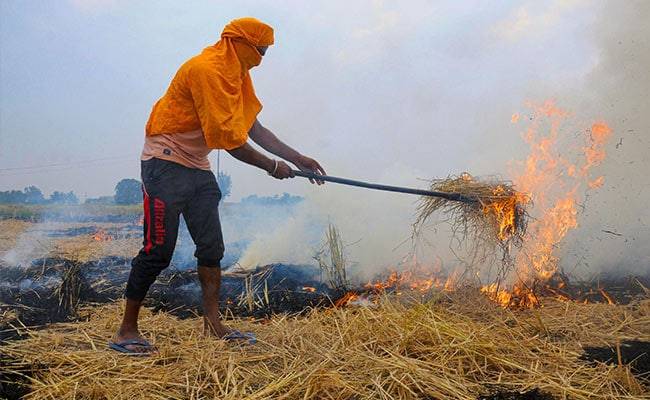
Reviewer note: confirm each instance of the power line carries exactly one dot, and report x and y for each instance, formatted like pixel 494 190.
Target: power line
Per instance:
pixel 49 171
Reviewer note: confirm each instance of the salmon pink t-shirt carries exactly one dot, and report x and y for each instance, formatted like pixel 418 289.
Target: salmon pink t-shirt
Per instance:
pixel 188 149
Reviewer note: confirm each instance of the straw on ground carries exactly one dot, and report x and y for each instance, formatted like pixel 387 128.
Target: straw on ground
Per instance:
pixel 445 348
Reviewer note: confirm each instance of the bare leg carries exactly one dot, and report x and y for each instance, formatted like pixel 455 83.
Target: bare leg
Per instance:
pixel 129 328
pixel 210 278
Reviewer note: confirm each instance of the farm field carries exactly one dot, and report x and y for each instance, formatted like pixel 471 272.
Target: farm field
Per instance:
pixel 368 200
pixel 444 343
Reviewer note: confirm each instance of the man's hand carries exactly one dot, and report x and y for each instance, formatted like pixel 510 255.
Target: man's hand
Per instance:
pixel 307 164
pixel 282 170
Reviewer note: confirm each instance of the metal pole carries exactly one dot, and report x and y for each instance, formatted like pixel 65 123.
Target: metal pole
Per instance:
pixel 386 188
pixel 218 162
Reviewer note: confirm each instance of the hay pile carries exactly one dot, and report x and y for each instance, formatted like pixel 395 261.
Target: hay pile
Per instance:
pixel 447 348
pixel 496 218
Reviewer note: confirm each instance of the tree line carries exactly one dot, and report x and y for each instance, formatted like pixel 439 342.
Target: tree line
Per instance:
pixel 34 195
pixel 127 191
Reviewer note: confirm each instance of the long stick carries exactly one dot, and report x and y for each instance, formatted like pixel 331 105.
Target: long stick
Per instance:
pixel 386 188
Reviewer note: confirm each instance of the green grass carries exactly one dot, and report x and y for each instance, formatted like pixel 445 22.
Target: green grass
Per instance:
pixel 70 212
pixel 85 212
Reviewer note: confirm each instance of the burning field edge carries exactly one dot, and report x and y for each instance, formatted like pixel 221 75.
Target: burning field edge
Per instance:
pixel 453 345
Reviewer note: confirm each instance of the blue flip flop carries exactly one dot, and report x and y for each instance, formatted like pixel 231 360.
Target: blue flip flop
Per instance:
pixel 121 347
pixel 237 336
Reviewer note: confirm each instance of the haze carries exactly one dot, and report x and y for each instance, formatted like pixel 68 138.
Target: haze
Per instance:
pixel 380 91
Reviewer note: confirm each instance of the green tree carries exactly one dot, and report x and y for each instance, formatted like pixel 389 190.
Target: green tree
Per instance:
pixel 101 200
pixel 128 191
pixel 12 197
pixel 33 195
pixel 63 198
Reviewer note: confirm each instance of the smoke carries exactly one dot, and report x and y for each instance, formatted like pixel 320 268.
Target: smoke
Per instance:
pixel 616 91
pixel 375 227
pixel 386 91
pixel 292 240
pixel 471 130
pixel 34 242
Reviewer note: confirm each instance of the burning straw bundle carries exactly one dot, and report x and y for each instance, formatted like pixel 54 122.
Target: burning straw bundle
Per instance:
pixel 493 215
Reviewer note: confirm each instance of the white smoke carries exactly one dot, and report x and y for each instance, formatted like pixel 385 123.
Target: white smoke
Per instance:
pixel 616 91
pixel 613 88
pixel 375 226
pixel 34 242
pixel 291 241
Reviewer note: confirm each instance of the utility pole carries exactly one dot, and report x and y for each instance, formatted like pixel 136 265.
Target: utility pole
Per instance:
pixel 218 162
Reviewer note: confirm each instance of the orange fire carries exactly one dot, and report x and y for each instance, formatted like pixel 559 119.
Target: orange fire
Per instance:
pixel 515 118
pixel 102 236
pixel 596 183
pixel 415 280
pixel 346 299
pixel 552 182
pixel 309 289
pixel 504 211
pixel 606 296
pixel 519 296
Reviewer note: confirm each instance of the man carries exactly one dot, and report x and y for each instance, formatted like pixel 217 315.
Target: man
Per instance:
pixel 210 104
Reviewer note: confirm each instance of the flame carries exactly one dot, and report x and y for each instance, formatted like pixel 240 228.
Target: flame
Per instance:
pixel 519 296
pixel 503 208
pixel 102 236
pixel 504 211
pixel 606 296
pixel 594 153
pixel 413 277
pixel 596 183
pixel 515 118
pixel 309 289
pixel 552 182
pixel 451 282
pixel 557 293
pixel 418 278
pixel 347 298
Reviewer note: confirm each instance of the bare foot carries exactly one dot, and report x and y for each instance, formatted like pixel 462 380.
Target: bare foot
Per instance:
pixel 213 326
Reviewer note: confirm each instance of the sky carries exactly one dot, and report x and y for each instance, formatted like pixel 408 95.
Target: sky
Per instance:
pixel 386 91
pixel 360 86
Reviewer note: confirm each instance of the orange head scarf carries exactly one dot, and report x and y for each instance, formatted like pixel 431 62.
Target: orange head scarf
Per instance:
pixel 213 91
pixel 245 34
pixel 230 84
